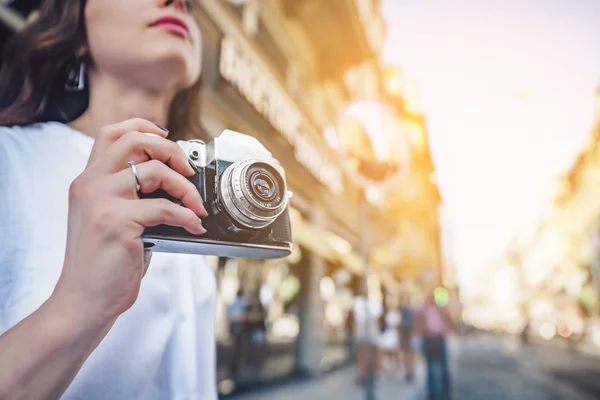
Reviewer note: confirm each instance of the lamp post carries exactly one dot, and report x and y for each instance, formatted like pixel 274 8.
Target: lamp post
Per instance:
pixel 360 139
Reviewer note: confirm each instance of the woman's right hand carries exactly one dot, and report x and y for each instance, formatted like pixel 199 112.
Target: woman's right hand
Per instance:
pixel 104 259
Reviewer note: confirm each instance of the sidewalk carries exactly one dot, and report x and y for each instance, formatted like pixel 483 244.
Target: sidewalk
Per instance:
pixel 341 385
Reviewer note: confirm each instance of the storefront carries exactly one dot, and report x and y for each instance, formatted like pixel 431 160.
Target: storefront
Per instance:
pixel 260 343
pixel 338 289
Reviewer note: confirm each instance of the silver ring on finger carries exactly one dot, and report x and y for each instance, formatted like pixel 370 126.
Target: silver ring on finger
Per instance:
pixel 138 186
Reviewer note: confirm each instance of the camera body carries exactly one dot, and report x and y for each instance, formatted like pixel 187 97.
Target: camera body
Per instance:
pixel 244 191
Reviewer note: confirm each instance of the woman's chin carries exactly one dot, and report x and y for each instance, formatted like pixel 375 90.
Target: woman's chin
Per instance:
pixel 168 72
pixel 161 79
pixel 179 63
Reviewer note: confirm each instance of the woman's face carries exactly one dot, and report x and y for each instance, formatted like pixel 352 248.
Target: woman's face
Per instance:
pixel 155 44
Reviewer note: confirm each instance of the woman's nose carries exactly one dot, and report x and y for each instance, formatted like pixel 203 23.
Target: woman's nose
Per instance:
pixel 180 5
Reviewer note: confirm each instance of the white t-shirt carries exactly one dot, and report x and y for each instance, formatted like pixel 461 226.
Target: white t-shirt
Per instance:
pixel 161 348
pixel 393 319
pixel 363 331
pixel 389 339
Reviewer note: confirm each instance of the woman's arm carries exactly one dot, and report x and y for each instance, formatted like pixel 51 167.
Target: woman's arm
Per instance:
pixel 104 258
pixel 40 356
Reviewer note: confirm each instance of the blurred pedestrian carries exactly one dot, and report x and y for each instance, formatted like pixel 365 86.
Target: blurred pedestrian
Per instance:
pixel 434 324
pixel 237 316
pixel 407 347
pixel 389 341
pixel 366 334
pixel 257 331
pixel 89 92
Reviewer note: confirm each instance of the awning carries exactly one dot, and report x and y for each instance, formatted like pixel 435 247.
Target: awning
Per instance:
pixel 334 249
pixel 307 235
pixel 325 244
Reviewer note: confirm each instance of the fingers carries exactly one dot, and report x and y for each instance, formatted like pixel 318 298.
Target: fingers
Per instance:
pixel 111 133
pixel 139 147
pixel 154 175
pixel 152 212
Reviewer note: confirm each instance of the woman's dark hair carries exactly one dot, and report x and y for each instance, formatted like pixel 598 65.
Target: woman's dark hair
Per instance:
pixel 34 70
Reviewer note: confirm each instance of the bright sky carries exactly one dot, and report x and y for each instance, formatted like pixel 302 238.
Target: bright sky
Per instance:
pixel 508 87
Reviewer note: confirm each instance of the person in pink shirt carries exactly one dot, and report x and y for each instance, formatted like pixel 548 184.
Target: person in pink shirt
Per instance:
pixel 434 324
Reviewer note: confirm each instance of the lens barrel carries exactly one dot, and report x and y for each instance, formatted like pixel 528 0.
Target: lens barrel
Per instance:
pixel 253 193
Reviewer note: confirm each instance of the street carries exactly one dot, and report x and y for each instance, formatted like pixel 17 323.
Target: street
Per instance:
pixel 491 368
pixel 484 367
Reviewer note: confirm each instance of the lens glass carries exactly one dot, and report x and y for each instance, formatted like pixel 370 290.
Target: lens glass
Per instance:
pixel 263 186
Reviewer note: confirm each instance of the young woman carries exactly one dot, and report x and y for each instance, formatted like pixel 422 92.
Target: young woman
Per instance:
pixel 82 88
pixel 434 324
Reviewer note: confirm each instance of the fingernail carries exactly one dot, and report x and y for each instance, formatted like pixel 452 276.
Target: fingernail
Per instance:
pixel 162 128
pixel 201 229
pixel 194 168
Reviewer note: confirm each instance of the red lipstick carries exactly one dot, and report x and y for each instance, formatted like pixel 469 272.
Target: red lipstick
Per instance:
pixel 174 25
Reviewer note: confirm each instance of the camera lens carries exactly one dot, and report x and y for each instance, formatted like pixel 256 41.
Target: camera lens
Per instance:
pixel 253 193
pixel 262 186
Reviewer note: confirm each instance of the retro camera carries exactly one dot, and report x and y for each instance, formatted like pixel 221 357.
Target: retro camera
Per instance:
pixel 245 194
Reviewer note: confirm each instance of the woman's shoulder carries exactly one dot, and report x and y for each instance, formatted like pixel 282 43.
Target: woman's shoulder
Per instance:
pixel 33 128
pixel 37 128
pixel 13 137
pixel 19 143
pixel 43 141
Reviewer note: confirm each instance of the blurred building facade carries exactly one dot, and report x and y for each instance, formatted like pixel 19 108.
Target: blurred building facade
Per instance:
pixel 555 266
pixel 415 204
pixel 282 72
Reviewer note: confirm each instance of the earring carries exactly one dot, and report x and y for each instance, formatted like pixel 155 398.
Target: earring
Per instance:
pixel 76 76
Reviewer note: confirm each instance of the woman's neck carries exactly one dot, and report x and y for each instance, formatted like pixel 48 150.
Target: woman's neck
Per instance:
pixel 113 100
